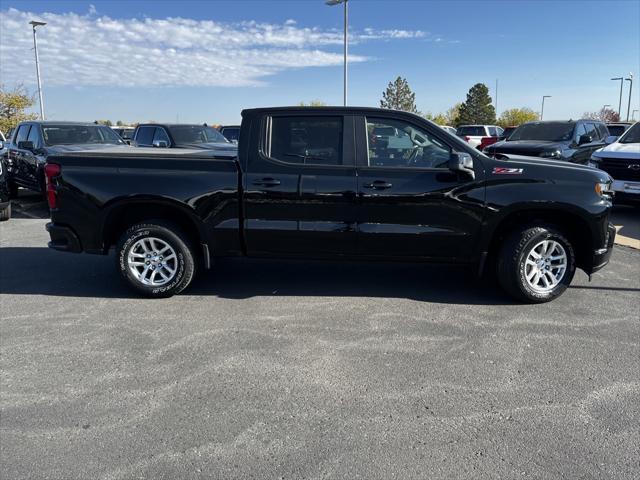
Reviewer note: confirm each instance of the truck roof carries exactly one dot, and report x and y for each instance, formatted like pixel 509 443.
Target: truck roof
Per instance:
pixel 337 109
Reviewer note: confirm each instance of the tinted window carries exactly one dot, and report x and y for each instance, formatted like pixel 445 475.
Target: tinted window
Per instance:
pixel 409 146
pixel 144 136
pixel 34 136
pixel 508 131
pixel 308 140
pixel 161 135
pixel 632 135
pixel 471 132
pixel 186 134
pixel 79 134
pixel 231 133
pixel 22 133
pixel 550 132
pixel 602 130
pixel 616 130
pixel 580 130
pixel 592 131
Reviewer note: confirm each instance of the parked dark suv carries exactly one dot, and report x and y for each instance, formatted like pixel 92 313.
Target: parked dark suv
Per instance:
pixel 33 142
pixel 571 140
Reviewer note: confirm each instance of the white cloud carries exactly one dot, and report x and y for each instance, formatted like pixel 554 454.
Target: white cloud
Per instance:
pixel 97 50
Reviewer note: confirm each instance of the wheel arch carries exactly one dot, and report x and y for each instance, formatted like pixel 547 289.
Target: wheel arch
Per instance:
pixel 124 213
pixel 568 221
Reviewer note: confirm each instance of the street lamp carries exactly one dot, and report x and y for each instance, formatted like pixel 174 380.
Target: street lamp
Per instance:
pixel 620 101
pixel 332 3
pixel 630 80
pixel 34 24
pixel 542 110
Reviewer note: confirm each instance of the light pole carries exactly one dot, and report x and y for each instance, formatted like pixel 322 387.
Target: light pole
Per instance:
pixel 542 110
pixel 34 24
pixel 630 80
pixel 331 3
pixel 620 101
pixel 633 114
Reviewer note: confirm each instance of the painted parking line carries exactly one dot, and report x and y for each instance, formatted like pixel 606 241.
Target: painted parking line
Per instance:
pixel 626 241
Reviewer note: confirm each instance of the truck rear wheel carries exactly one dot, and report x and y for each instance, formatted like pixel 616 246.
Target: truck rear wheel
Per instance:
pixel 155 259
pixel 536 265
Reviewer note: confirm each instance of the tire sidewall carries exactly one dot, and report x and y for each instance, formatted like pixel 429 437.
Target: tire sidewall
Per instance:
pixel 527 290
pixel 184 259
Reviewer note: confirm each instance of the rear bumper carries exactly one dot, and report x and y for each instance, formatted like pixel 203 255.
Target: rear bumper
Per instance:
pixel 601 256
pixel 63 238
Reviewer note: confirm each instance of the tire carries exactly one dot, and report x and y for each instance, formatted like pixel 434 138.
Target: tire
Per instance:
pixel 5 213
pixel 517 261
pixel 145 272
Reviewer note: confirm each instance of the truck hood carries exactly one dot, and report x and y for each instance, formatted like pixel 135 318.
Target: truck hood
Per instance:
pixel 629 151
pixel 521 161
pixel 525 147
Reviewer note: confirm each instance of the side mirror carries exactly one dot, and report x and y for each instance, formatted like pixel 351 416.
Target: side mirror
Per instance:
pixel 610 139
pixel 584 139
pixel 160 143
pixel 462 162
pixel 25 145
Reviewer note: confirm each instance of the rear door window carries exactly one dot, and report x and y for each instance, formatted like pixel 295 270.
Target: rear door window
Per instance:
pixel 306 140
pixel 34 136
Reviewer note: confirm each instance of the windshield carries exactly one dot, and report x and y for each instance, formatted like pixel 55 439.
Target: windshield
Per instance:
pixel 196 134
pixel 79 134
pixel 632 135
pixel 548 132
pixel 616 130
pixel 231 133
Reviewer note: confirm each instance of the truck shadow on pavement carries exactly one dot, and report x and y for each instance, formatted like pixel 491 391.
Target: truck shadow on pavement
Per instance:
pixel 41 271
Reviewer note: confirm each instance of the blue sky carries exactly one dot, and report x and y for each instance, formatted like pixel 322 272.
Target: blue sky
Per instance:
pixel 196 61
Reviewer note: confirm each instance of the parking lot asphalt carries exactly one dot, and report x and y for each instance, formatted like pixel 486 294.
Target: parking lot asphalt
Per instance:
pixel 272 369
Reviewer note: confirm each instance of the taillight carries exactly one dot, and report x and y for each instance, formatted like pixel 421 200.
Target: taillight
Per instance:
pixel 467 138
pixel 51 170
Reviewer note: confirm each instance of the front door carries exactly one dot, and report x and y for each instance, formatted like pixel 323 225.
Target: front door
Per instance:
pixel 300 186
pixel 410 203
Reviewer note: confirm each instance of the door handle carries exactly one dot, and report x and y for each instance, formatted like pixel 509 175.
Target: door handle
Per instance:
pixel 266 182
pixel 378 185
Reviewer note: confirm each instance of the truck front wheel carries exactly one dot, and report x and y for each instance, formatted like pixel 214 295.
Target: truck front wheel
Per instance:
pixel 536 264
pixel 155 259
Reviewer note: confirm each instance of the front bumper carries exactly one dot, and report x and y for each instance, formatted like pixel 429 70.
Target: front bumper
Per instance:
pixel 63 238
pixel 601 256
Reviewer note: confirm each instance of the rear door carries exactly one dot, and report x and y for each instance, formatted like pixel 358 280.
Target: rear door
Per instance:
pixel 410 203
pixel 300 185
pixel 18 157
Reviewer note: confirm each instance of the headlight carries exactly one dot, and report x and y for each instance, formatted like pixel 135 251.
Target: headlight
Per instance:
pixel 552 154
pixel 593 162
pixel 604 189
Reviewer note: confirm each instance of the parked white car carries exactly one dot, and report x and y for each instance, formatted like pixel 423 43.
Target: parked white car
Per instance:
pixel 473 134
pixel 621 160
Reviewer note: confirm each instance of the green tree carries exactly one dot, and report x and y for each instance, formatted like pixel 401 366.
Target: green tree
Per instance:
pixel 399 96
pixel 313 103
pixel 13 104
pixel 119 123
pixel 477 109
pixel 104 122
pixel 452 115
pixel 517 116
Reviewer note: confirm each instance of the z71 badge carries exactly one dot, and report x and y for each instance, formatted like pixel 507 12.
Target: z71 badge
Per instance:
pixel 507 171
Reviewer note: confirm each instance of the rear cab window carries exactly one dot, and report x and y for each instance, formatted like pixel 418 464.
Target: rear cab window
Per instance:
pixel 472 131
pixel 144 135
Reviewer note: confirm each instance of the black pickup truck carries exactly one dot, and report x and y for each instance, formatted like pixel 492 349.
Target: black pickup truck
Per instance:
pixel 308 183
